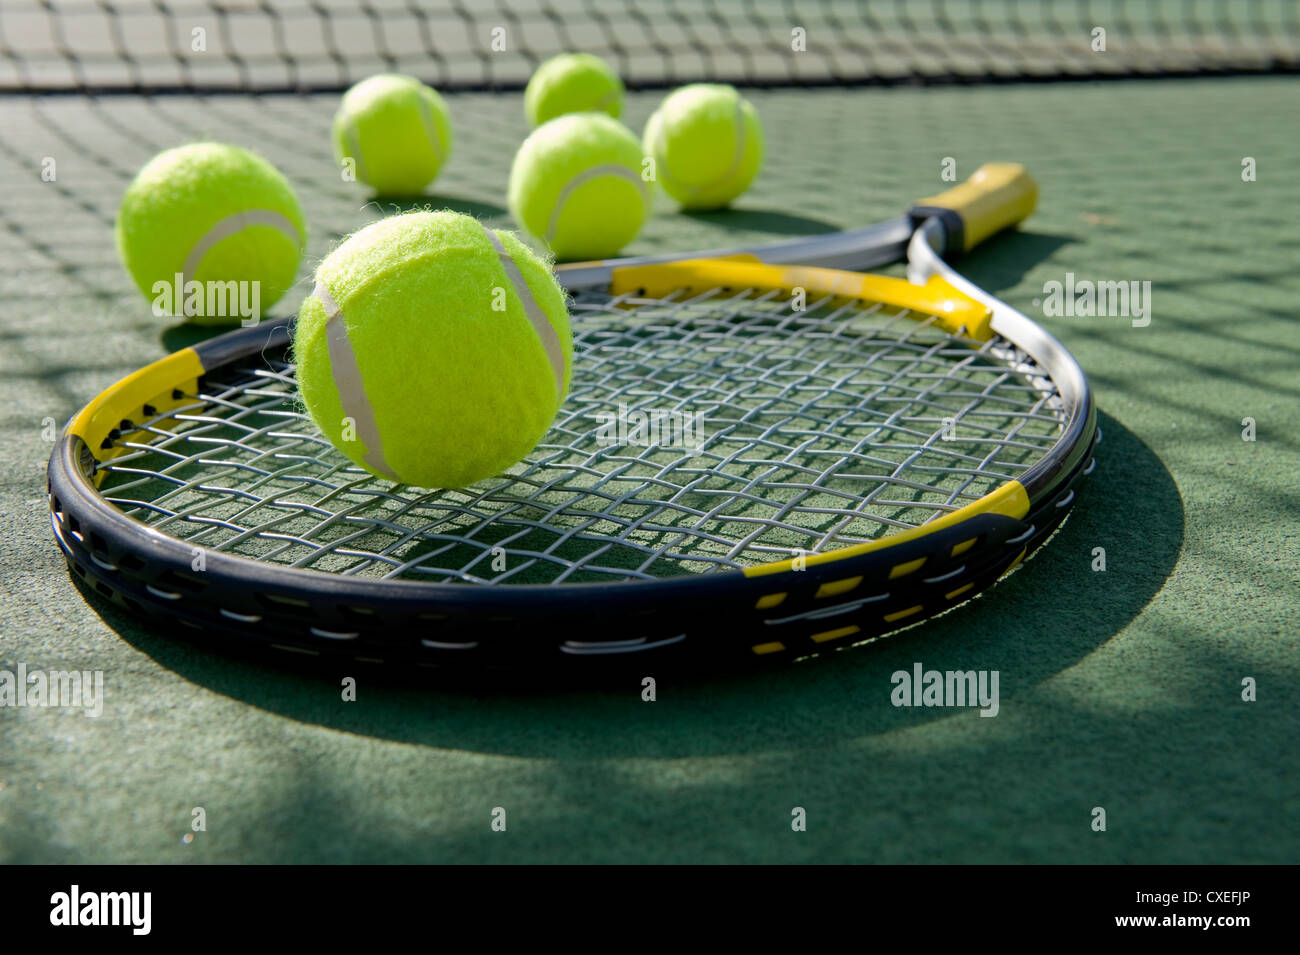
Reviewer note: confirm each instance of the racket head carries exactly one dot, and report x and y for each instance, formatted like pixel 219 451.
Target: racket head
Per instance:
pixel 203 460
pixel 825 505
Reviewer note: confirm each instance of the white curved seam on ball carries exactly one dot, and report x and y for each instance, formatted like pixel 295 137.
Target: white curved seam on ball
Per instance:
pixel 347 382
pixel 352 136
pixel 431 129
pixel 541 324
pixel 595 172
pixel 231 225
pixel 737 158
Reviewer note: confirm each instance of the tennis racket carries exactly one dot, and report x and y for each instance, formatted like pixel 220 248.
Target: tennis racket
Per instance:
pixel 765 454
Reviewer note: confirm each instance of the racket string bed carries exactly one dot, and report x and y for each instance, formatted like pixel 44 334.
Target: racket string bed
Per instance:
pixel 816 430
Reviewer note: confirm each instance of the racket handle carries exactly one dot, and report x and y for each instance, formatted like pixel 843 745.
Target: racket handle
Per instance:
pixel 997 196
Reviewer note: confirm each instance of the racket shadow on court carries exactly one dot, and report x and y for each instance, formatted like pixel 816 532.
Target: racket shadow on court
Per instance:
pixel 1041 620
pixel 1015 253
pixel 770 221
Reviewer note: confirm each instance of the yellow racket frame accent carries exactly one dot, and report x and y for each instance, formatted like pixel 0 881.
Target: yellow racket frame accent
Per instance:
pixel 1009 500
pixel 137 397
pixel 952 310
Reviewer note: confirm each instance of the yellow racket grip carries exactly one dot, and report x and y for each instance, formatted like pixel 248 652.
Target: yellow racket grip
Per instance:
pixel 997 196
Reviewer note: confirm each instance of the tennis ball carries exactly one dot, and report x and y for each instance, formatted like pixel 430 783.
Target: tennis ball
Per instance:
pixel 707 145
pixel 433 351
pixel 576 184
pixel 215 215
pixel 397 130
pixel 572 83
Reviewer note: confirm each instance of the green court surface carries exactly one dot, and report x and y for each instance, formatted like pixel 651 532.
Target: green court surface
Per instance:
pixel 1120 689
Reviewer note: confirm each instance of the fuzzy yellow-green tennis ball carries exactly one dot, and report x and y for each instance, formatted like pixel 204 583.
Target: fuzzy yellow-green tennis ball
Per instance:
pixel 707 145
pixel 397 130
pixel 572 83
pixel 211 232
pixel 576 184
pixel 433 351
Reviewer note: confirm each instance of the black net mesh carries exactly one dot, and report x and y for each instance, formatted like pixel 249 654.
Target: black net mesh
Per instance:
pixel 140 45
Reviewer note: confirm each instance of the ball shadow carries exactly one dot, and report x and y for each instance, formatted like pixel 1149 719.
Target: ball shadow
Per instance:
pixel 188 334
pixel 393 205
